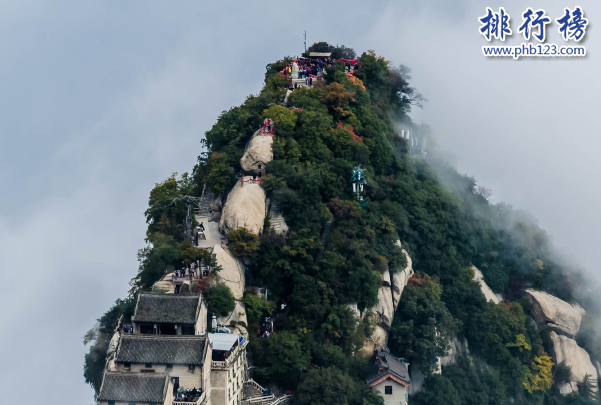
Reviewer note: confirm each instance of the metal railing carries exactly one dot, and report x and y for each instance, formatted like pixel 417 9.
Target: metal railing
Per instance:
pixel 254 384
pixel 281 399
pixel 257 399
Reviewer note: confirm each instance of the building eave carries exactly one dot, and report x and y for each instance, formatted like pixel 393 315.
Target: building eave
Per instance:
pixel 387 376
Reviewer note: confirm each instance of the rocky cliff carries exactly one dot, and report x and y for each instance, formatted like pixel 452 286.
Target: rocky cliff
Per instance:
pixel 564 321
pixel 382 314
pixel 244 208
pixel 232 275
pixel 557 314
pixel 488 293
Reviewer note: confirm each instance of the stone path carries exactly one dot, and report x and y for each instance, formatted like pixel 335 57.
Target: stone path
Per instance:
pixel 278 223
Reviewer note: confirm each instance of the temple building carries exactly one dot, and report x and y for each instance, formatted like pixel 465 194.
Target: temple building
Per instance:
pixel 135 389
pixel 390 377
pixel 170 314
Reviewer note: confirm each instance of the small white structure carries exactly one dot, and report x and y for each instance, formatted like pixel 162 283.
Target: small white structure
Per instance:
pixel 228 368
pixel 390 377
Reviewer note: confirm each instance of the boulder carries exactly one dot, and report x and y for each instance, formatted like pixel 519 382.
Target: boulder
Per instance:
pixel 257 153
pixel 244 208
pixel 559 315
pixel 566 349
pixel 400 279
pixel 488 293
pixel 232 271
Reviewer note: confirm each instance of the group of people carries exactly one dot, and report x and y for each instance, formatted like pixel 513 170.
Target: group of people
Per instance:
pixel 190 272
pixel 187 395
pixel 266 328
pixel 125 328
pixel 199 233
pixel 308 66
pixel 267 127
pixel 310 69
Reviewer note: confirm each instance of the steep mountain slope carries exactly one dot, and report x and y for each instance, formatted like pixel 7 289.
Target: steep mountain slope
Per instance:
pixel 349 119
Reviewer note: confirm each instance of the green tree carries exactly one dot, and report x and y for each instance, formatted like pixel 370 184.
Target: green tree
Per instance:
pixel 99 338
pixel 243 243
pixel 331 386
pixel 588 388
pixel 438 390
pixel 563 372
pixel 283 360
pixel 220 300
pixel 257 306
pixel 422 326
pixel 220 175
pixel 284 119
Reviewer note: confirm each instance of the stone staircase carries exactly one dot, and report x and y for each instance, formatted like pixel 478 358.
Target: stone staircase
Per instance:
pixel 204 209
pixel 324 236
pixel 256 394
pixel 278 223
pixel 252 389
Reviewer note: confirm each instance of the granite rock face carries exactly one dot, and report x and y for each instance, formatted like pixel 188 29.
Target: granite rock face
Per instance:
pixel 560 316
pixel 257 153
pixel 244 208
pixel 488 293
pixel 232 272
pixel 381 314
pixel 232 275
pixel 384 309
pixel 400 279
pixel 458 346
pixel 566 349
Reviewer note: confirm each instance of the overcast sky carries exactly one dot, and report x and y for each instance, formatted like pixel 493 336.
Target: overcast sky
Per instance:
pixel 100 100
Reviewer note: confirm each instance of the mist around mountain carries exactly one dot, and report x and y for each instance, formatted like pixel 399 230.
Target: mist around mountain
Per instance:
pixel 443 220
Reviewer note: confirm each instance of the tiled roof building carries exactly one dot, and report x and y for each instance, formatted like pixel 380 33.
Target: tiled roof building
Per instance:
pixel 126 387
pixel 389 375
pixel 157 349
pixel 170 314
pixel 166 308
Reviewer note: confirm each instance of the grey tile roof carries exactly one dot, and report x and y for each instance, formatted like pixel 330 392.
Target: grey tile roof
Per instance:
pixel 386 363
pixel 161 349
pixel 166 308
pixel 139 387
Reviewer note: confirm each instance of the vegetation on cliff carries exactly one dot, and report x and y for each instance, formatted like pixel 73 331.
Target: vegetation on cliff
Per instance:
pixel 433 210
